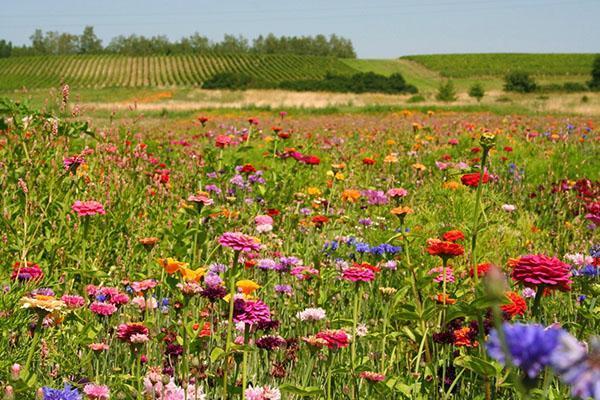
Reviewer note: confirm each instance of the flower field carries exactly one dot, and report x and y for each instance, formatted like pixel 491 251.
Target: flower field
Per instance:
pixel 278 255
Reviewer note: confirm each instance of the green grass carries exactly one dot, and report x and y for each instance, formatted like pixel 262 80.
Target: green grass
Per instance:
pixel 477 65
pixel 99 71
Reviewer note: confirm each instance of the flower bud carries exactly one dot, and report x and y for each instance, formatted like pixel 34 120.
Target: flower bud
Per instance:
pixel 9 393
pixel 487 140
pixel 15 371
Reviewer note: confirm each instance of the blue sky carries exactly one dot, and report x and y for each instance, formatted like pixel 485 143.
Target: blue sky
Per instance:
pixel 378 28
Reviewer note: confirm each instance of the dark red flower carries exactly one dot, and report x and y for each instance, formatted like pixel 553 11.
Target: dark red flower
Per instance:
pixel 311 160
pixel 248 169
pixel 368 161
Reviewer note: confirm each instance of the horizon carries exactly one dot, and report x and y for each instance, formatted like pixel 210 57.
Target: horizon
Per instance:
pixel 451 26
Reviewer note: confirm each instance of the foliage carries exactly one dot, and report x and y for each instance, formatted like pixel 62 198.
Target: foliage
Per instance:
pixel 499 64
pixel 446 92
pixel 595 82
pixel 358 83
pixel 520 82
pixel 477 91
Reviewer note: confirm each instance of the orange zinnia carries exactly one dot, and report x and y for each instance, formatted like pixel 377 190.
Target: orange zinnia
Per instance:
pixel 171 265
pixel 351 195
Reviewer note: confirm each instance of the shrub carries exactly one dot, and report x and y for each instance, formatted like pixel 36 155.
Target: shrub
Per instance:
pixel 520 82
pixel 228 80
pixel 476 91
pixel 357 83
pixel 417 98
pixel 595 82
pixel 446 92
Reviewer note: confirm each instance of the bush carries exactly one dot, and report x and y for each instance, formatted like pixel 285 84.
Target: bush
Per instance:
pixel 357 83
pixel 417 98
pixel 228 80
pixel 446 92
pixel 595 82
pixel 520 82
pixel 477 91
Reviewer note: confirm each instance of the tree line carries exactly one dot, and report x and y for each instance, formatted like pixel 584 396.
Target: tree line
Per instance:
pixel 60 43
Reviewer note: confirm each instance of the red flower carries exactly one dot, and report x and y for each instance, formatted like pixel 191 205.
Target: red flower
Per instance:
pixel 273 212
pixel 132 333
pixel 508 149
pixel 30 271
pixel 319 220
pixel 368 161
pixel 535 270
pixel 247 169
pixel 472 180
pixel 453 236
pixel 277 129
pixel 311 160
pixel 203 120
pixel 253 121
pixel 443 248
pixel 482 270
pixel 222 140
pixel 334 339
pixel 517 305
pixel 284 135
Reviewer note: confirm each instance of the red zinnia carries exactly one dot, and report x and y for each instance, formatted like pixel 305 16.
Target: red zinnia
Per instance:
pixel 311 160
pixel 482 270
pixel 30 271
pixel 248 168
pixel 472 180
pixel 319 220
pixel 334 338
pixel 443 248
pixel 368 161
pixel 453 236
pixel 535 270
pixel 132 332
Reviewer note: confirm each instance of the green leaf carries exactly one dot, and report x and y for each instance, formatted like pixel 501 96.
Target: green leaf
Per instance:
pixel 216 354
pixel 301 390
pixel 477 365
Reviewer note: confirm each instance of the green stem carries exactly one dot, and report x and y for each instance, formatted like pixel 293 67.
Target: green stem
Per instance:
pixel 536 301
pixel 230 320
pixel 476 215
pixel 354 327
pixel 245 359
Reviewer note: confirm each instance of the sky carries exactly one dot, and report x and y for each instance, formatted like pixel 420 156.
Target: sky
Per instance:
pixel 377 28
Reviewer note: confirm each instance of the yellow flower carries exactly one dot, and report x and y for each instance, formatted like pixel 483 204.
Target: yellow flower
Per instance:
pixel 269 139
pixel 192 275
pixel 390 142
pixel 419 167
pixel 46 303
pixel 171 265
pixel 313 191
pixel 247 286
pixel 339 176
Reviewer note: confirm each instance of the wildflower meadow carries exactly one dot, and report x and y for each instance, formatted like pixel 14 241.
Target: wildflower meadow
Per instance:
pixel 275 254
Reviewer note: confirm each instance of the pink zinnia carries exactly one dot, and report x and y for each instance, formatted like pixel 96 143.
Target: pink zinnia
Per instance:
pixel 84 208
pixel 222 141
pixel 98 346
pixel 397 192
pixel 356 274
pixel 200 199
pixel 251 311
pixel 73 301
pixel 535 270
pixel 29 271
pixel 96 392
pixel 239 242
pixel 440 274
pixel 131 332
pixel 334 338
pixel 142 286
pixel 263 220
pixel 104 309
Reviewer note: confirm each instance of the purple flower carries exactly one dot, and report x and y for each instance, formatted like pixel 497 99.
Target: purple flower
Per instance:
pixel 578 368
pixel 57 394
pixel 375 197
pixel 531 346
pixel 284 289
pixel 251 311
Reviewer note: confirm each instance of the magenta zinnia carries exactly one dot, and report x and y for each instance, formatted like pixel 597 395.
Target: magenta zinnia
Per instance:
pixel 85 208
pixel 251 311
pixel 535 270
pixel 133 333
pixel 239 242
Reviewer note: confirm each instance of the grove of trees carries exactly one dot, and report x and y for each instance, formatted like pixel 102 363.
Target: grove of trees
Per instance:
pixel 56 43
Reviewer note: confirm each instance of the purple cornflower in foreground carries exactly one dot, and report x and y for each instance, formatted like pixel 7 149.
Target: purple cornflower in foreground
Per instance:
pixel 578 368
pixel 530 346
pixel 61 394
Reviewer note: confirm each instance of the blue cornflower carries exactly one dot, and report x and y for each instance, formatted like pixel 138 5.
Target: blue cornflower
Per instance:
pixel 578 368
pixel 595 251
pixel 530 346
pixel 590 271
pixel 57 394
pixel 362 247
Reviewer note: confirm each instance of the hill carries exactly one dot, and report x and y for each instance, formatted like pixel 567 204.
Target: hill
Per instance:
pixel 481 65
pixel 100 71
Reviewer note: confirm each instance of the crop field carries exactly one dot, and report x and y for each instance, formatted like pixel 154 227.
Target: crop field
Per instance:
pixel 275 254
pixel 99 71
pixel 481 65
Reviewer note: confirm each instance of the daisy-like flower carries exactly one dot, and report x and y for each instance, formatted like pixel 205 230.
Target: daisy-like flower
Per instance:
pixel 73 301
pixel 42 302
pixel 132 333
pixel 311 314
pixel 103 309
pixel 534 270
pixel 88 208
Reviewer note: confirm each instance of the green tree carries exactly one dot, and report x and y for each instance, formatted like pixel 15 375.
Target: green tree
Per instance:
pixel 520 82
pixel 446 92
pixel 89 43
pixel 5 48
pixel 595 82
pixel 476 91
pixel 38 42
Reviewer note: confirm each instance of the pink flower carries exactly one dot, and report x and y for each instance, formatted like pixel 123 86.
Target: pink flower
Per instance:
pixel 84 208
pixel 372 376
pixel 356 274
pixel 104 309
pixel 239 242
pixel 535 270
pixel 397 192
pixel 251 311
pixel 262 393
pixel 201 199
pixel 98 346
pixel 142 286
pixel 334 338
pixel 73 301
pixel 96 392
pixel 132 332
pixel 263 220
pixel 440 274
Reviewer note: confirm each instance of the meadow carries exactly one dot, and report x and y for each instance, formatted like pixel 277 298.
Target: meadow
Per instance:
pixel 270 253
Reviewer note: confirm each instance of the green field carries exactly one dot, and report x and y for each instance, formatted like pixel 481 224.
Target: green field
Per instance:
pixel 478 65
pixel 100 71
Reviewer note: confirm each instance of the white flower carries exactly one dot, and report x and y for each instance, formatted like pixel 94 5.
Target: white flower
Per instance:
pixel 509 207
pixel 311 314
